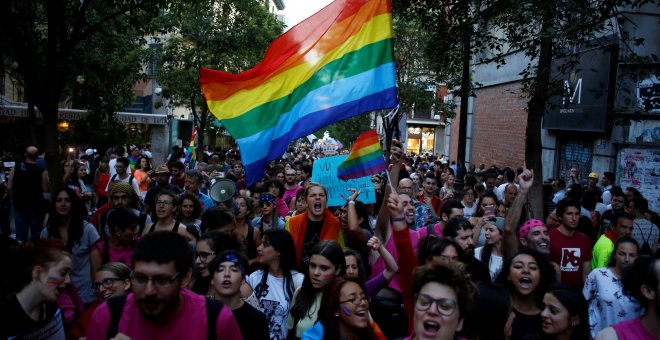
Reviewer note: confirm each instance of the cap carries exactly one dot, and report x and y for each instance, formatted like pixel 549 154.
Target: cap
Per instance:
pixel 90 152
pixel 497 222
pixel 133 147
pixel 162 169
pixel 148 154
pixel 593 175
pixel 266 197
pixel 528 225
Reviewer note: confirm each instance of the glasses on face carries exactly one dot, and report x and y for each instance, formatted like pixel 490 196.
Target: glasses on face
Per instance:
pixel 119 197
pixel 106 283
pixel 138 279
pixel 356 301
pixel 164 202
pixel 266 204
pixel 203 255
pixel 444 306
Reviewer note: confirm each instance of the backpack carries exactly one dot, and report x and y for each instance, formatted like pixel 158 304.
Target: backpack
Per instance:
pixel 130 179
pixel 645 248
pixel 116 307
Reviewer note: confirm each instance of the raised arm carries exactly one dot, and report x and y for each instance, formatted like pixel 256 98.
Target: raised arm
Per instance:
pixel 353 229
pixel 391 267
pixel 382 221
pixel 525 180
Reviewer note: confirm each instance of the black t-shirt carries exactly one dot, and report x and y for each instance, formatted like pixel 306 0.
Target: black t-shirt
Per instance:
pixel 252 322
pixel 524 325
pixel 14 322
pixel 312 237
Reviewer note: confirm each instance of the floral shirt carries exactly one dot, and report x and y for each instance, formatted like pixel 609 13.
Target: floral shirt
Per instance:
pixel 607 303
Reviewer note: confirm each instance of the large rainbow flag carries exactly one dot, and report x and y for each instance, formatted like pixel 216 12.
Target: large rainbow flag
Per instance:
pixel 366 158
pixel 336 64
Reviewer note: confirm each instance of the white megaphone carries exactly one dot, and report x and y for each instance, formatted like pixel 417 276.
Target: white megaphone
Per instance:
pixel 222 190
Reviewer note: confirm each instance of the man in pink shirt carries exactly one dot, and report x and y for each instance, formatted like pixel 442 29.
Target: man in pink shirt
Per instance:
pixel 160 306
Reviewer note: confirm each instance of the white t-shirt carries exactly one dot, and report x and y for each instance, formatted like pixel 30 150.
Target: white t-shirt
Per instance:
pixel 494 265
pixel 111 167
pixel 273 300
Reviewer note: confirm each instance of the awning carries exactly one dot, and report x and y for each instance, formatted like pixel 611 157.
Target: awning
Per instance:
pixel 21 111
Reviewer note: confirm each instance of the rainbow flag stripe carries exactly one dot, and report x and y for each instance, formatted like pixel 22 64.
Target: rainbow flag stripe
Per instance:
pixel 366 158
pixel 336 64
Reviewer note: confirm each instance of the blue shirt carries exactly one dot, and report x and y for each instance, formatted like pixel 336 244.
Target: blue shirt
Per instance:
pixel 206 201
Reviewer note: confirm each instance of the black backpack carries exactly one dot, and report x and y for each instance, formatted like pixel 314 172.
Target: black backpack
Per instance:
pixel 116 307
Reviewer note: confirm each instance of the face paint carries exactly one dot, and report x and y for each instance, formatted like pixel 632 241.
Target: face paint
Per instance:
pixel 328 278
pixel 346 311
pixel 54 280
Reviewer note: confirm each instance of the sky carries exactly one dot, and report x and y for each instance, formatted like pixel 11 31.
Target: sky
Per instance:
pixel 296 11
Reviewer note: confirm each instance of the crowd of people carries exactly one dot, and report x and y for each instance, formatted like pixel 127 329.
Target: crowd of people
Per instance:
pixel 127 249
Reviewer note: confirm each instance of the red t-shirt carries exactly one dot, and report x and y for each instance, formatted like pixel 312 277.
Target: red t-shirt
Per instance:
pixel 570 252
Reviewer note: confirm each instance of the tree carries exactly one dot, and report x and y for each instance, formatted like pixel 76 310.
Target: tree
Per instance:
pixel 545 31
pixel 53 47
pixel 227 35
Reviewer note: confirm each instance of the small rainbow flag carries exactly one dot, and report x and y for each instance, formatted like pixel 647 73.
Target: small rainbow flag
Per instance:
pixel 334 65
pixel 366 158
pixel 191 155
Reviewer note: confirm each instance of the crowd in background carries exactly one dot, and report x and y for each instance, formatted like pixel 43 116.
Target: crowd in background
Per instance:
pixel 127 248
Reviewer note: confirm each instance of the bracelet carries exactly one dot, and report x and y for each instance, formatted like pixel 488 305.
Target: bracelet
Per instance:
pixel 398 219
pixel 351 202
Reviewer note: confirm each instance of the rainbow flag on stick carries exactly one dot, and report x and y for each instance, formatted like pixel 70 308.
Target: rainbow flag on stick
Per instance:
pixel 191 155
pixel 336 64
pixel 366 158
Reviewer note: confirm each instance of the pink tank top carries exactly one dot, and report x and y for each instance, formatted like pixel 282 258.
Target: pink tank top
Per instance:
pixel 378 265
pixel 632 330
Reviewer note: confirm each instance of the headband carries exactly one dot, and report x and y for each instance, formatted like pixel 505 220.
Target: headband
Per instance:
pixel 528 225
pixel 232 257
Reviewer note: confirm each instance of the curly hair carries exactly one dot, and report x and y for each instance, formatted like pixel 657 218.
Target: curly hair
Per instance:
pixel 451 274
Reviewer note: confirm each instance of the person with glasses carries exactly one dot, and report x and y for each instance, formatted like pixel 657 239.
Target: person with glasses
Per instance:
pixel 160 307
pixel 123 175
pixel 112 279
pixel 166 208
pixel 437 296
pixel 344 313
pixel 468 201
pixel 228 272
pixel 208 246
pixel 268 220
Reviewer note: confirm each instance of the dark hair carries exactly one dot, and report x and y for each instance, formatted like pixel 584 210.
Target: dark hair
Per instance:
pixel 574 192
pixel 43 253
pixel 434 246
pixel 636 193
pixel 197 205
pixel 451 274
pixel 574 302
pixel 123 160
pixel 215 218
pixel 561 183
pixel 358 260
pixel 491 311
pixel 119 269
pixel 487 249
pixel 76 225
pixel 164 247
pixel 120 219
pixel 282 242
pixel 277 183
pixel 641 204
pixel 429 175
pixel 589 199
pixel 220 241
pixel 449 206
pixel 617 216
pixel 194 174
pixel 642 272
pixel 565 203
pixel 611 177
pixel 618 192
pixel 305 298
pixel 621 240
pixel 178 164
pixel 139 161
pixel 455 224
pixel 248 204
pixel 547 275
pixel 510 175
pixel 490 194
pixel 330 306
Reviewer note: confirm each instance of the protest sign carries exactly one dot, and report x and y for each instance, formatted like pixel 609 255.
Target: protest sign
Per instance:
pixel 324 172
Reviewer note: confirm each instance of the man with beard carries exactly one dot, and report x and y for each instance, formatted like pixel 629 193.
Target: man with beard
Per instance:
pixel 623 226
pixel 422 212
pixel 618 202
pixel 459 229
pixel 159 307
pixel 316 224
pixel 291 188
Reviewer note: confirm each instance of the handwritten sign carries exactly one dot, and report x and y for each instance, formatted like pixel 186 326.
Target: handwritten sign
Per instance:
pixel 324 172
